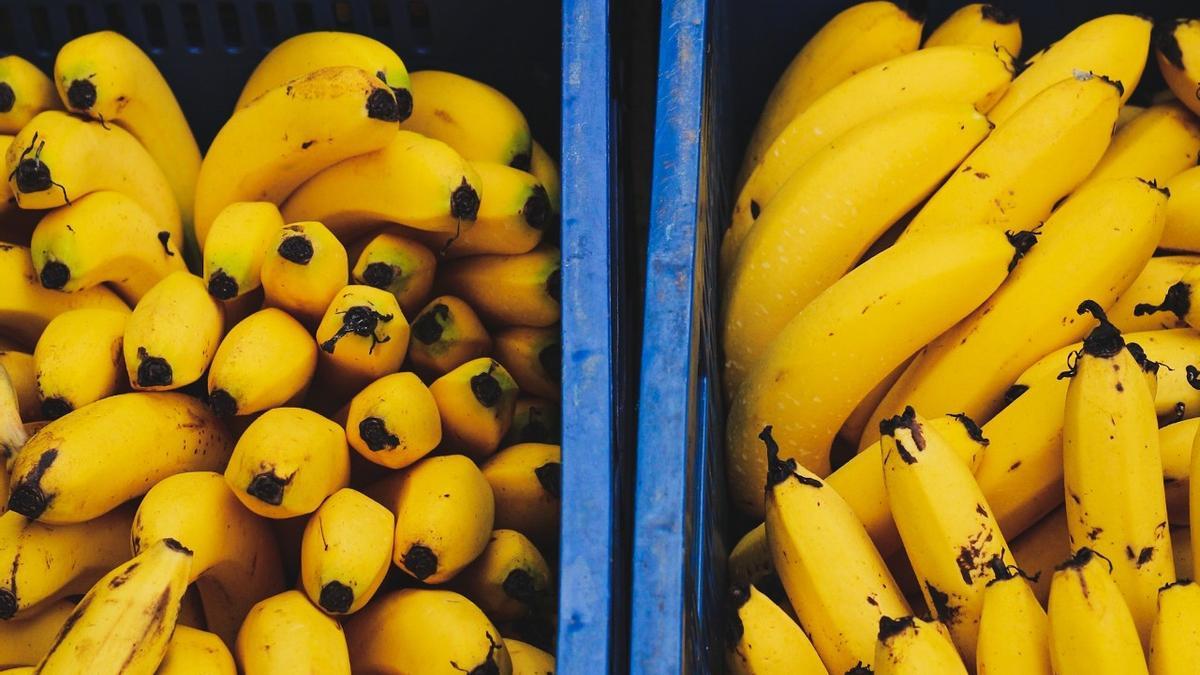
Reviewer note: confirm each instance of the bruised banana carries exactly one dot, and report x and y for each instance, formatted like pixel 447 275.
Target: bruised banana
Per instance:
pixel 1175 638
pixel 26 307
pixel 196 652
pixel 1177 48
pixel 394 421
pixel 980 24
pixel 1091 630
pixel 475 401
pixel 526 482
pixel 303 269
pixel 236 247
pixel 911 646
pixel 479 122
pixel 26 639
pixel 533 356
pixel 78 360
pixel 363 336
pixel 1183 222
pixel 399 266
pixel 265 361
pixel 1159 274
pixel 509 580
pixel 1014 633
pixel 346 551
pixel 25 91
pixel 285 633
pixel 763 639
pixel 172 334
pixel 446 334
pixel 1157 145
pixel 509 290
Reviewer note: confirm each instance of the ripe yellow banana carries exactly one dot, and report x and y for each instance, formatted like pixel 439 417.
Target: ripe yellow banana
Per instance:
pixel 479 122
pixel 475 401
pixel 26 307
pixel 24 640
pixel 25 91
pixel 831 353
pixel 196 652
pixel 285 633
pixel 509 580
pixel 912 646
pixel 962 74
pixel 509 290
pixel 981 24
pixel 287 462
pixel 289 134
pixel 1014 178
pixel 1151 284
pixel 1091 629
pixel 88 462
pixel 78 360
pixel 172 334
pixel 835 579
pixel 446 334
pixel 1177 47
pixel 21 369
pixel 125 621
pixel 533 356
pixel 394 421
pixel 763 640
pixel 828 213
pixel 236 247
pixel 106 77
pixel 265 361
pixel 546 169
pixel 303 269
pixel 399 266
pixel 526 480
pixel 444 512
pixel 1114 46
pixel 527 659
pixel 535 420
pixel 13 434
pixel 346 551
pixel 363 336
pixel 513 215
pixel 1183 222
pixel 1157 145
pixel 1175 638
pixel 1014 633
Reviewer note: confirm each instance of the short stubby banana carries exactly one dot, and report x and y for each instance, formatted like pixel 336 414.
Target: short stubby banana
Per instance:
pixel 25 91
pixel 1183 212
pixel 763 638
pixel 1149 287
pixel 399 266
pixel 173 333
pixel 285 633
pixel 479 122
pixel 346 551
pixel 535 420
pixel 908 645
pixel 236 246
pixel 304 268
pixel 265 361
pixel 1177 48
pixel 394 421
pixel 526 481
pixel 1175 639
pixel 196 652
pixel 88 462
pixel 475 401
pixel 1091 629
pixel 78 360
pixel 1014 633
pixel 1160 143
pixel 509 580
pixel 446 334
pixel 26 308
pixel 509 290
pixel 363 336
pixel 981 24
pixel 533 356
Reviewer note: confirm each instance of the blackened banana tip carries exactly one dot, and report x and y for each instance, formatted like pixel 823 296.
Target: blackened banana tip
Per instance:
pixel 222 403
pixel 381 105
pixel 56 407
pixel 222 286
pixel 267 488
pixel 7 98
pixel 464 202
pixel 1164 40
pixel 420 561
pixel 537 209
pixel 8 604
pixel 336 597
pixel 379 275
pixel 296 249
pixel 486 389
pixel 404 103
pixel 54 275
pixel 375 434
pixel 81 95
pixel 549 475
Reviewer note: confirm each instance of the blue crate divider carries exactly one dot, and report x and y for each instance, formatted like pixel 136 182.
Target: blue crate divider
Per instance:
pixel 718 60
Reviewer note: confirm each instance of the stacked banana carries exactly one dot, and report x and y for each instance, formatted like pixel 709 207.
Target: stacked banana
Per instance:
pixel 287 406
pixel 959 338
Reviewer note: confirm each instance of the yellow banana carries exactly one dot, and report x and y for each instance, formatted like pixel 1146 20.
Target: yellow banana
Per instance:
pixel 830 355
pixel 26 639
pixel 912 646
pixel 1014 178
pixel 526 481
pixel 1175 638
pixel 475 401
pixel 78 360
pixel 172 334
pixel 824 556
pixel 1014 633
pixel 394 421
pixel 1151 284
pixel 88 462
pixel 1040 549
pixel 1114 46
pixel 287 462
pixel 1177 47
pixel 1183 224
pixel 980 24
pixel 533 356
pixel 479 122
pixel 527 659
pixel 962 74
pixel 856 425
pixel 26 307
pixel 363 336
pixel 25 91
pixel 346 551
pixel 1091 630
pixel 265 361
pixel 289 134
pixel 125 621
pixel 412 180
pixel 196 652
pixel 304 268
pixel 763 639
pixel 535 420
pixel 750 560
pixel 13 433
pixel 509 290
pixel 864 181
pixel 509 580
pixel 546 169
pixel 399 266
pixel 236 247
pixel 446 334
pixel 1157 145
pixel 286 634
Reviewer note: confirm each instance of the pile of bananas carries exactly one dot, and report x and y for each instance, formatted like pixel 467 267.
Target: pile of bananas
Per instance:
pixel 960 339
pixel 218 424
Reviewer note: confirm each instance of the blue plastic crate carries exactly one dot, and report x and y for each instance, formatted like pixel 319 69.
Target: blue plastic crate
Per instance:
pixel 718 60
pixel 207 49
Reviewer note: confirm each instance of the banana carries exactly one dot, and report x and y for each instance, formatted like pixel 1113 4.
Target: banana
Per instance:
pixel 1157 145
pixel 58 158
pixel 43 563
pixel 394 421
pixel 968 368
pixel 475 401
pixel 13 433
pixel 25 91
pixel 776 267
pixel 106 77
pixel 526 481
pixel 1014 633
pixel 545 168
pixel 104 237
pixel 818 368
pixel 196 652
pixel 824 556
pixel 762 639
pixel 1175 447
pixel 1127 115
pixel 527 659
pixel 1040 549
pixel 479 122
pixel 855 426
pixel 446 334
pixel 346 551
pixel 236 247
pixel 286 634
pixel 912 646
pixel 444 512
pixel 1091 629
pixel 22 371
pixel 85 464
pixel 1114 46
pixel 363 336
pixel 509 580
pixel 172 334
pixel 1014 178
pixel 750 560
pixel 25 639
pixel 289 134
pixel 1151 284
pixel 535 420
pixel 533 356
pixel 78 360
pixel 125 621
pixel 1175 639
pixel 287 462
pixel 509 290
pixel 265 361
pixel 1177 49
pixel 304 268
pixel 399 266
pixel 26 307
pixel 961 74
pixel 235 558
pixel 979 24
pixel 1183 225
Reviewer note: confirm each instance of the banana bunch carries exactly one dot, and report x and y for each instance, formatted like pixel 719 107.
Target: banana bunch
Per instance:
pixel 289 404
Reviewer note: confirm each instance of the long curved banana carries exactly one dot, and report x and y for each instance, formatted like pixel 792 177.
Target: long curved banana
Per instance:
pixel 412 180
pixel 526 482
pixel 1014 633
pixel 394 421
pixel 837 582
pixel 104 237
pixel 864 181
pixel 981 24
pixel 58 158
pixel 529 660
pixel 26 307
pixel 1114 46
pixel 196 652
pixel 969 367
pixel 416 630
pixel 509 290
pixel 363 336
pixel 24 640
pixel 509 580
pixel 533 356
pixel 763 639
pixel 1091 629
pixel 108 78
pixel 911 646
pixel 236 246
pixel 289 134
pixel 535 420
pixel 285 633
pixel 303 269
pixel 1014 178
pixel 479 122
pixel 399 266
pixel 265 361
pixel 1149 287
pixel 1175 638
pixel 1157 145
pixel 1177 48
pixel 25 91
pixel 41 563
pixel 446 334
pixel 124 623
pixel 235 559
pixel 88 462
pixel 22 371
pixel 475 401
pixel 346 551
pixel 78 360
pixel 928 284
pixel 173 333
pixel 1183 224
pixel 975 75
